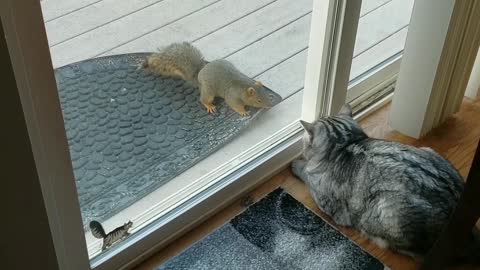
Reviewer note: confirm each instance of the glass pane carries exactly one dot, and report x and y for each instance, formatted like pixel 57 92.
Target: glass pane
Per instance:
pixel 142 143
pixel 382 31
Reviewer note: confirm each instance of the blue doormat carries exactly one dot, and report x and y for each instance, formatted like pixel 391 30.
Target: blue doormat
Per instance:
pixel 130 131
pixel 276 233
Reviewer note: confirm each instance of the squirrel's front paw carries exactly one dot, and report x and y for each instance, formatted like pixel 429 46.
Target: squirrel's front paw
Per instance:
pixel 298 166
pixel 211 108
pixel 243 112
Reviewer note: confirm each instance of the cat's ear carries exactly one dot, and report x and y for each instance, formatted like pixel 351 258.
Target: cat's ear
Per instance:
pixel 307 126
pixel 346 110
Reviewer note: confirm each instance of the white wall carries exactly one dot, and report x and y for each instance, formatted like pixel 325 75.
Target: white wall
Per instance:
pixel 474 81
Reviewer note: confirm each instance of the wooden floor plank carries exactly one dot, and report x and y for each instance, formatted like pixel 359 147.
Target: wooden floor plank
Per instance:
pixel 276 47
pixel 370 5
pixel 381 23
pixel 293 69
pixel 88 15
pixel 197 25
pixel 378 53
pixel 272 49
pixel 252 28
pixel 124 30
pixel 52 9
pixel 260 23
pixel 291 82
pixel 237 34
pixel 455 139
pixel 91 17
pixel 248 41
pixel 92 14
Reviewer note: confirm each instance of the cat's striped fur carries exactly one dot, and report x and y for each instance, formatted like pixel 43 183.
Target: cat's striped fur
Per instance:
pixel 399 196
pixel 113 236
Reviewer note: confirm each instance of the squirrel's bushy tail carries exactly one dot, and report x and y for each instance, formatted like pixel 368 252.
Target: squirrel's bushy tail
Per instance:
pixel 182 60
pixel 97 229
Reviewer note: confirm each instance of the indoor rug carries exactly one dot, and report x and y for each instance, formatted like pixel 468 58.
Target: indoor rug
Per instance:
pixel 278 232
pixel 130 131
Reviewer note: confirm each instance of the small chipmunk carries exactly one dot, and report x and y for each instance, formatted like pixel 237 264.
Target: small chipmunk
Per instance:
pixel 113 236
pixel 218 78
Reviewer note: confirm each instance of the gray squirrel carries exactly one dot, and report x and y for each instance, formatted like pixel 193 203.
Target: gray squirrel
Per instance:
pixel 218 78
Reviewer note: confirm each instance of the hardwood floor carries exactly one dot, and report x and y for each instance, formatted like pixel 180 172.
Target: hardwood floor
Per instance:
pixel 456 140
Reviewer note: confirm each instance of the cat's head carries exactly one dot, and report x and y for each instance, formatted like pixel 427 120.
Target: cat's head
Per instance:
pixel 332 130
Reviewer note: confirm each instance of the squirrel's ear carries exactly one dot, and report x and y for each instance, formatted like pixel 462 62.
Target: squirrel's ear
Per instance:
pixel 258 84
pixel 251 91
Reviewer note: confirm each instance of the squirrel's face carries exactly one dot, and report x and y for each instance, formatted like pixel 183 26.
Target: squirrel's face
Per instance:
pixel 257 96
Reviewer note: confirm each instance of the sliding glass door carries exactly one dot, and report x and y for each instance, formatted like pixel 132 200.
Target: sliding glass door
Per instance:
pixel 115 144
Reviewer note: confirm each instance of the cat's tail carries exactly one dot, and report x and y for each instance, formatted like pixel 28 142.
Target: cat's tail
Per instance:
pixel 97 229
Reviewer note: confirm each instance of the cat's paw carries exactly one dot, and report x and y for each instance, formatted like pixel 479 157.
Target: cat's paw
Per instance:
pixel 298 166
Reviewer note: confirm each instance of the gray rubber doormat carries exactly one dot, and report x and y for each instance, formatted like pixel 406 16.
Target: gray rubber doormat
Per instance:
pixel 276 233
pixel 130 131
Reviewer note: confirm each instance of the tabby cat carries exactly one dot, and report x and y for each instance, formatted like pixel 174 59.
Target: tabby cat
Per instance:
pixel 113 236
pixel 399 196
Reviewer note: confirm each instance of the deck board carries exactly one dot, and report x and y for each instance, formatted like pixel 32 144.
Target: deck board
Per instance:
pixel 260 37
pixel 53 9
pixel 274 48
pixel 291 82
pixel 196 26
pixel 250 29
pixel 91 17
pixel 78 17
pixel 380 52
pixel 381 23
pixel 124 30
pixel 370 5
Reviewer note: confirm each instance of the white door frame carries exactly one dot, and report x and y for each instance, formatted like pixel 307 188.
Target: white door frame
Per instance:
pixel 329 68
pixel 28 47
pixel 21 203
pixel 334 24
pixel 440 50
pixel 473 85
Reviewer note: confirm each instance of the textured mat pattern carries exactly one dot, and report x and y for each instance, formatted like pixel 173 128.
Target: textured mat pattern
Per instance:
pixel 130 131
pixel 275 233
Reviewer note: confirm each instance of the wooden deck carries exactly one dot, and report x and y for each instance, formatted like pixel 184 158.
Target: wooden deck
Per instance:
pixel 266 39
